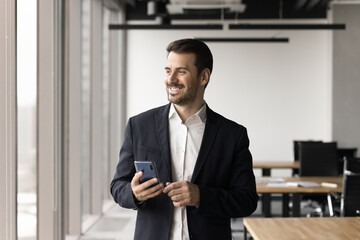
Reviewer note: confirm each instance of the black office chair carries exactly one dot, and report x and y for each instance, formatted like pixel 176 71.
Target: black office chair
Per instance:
pixel 350 196
pixel 344 153
pixel 317 159
pixel 296 144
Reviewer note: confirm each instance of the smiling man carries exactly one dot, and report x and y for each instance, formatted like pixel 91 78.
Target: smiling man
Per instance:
pixel 203 159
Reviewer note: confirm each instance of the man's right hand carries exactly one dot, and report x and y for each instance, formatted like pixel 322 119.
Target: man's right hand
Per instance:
pixel 143 191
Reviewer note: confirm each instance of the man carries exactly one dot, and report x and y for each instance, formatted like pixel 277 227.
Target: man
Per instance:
pixel 203 160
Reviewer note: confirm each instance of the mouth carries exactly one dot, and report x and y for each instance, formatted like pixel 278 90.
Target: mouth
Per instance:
pixel 173 90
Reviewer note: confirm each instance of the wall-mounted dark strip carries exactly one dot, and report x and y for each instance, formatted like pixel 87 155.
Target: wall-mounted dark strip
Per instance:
pixel 165 27
pixel 256 40
pixel 288 26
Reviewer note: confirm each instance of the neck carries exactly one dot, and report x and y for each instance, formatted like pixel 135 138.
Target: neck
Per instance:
pixel 188 110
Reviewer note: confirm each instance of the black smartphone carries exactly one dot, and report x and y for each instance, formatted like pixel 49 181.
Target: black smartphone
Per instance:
pixel 148 168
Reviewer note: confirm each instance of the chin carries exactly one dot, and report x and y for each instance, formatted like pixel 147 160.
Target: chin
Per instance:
pixel 174 101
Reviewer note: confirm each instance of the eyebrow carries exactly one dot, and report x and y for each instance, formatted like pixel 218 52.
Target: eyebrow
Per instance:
pixel 178 68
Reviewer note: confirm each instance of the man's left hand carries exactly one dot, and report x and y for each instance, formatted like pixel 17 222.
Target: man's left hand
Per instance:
pixel 183 193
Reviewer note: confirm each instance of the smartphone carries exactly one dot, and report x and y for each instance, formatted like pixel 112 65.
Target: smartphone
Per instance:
pixel 148 168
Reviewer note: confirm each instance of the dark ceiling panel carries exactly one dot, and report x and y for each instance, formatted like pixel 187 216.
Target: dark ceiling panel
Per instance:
pixel 255 9
pixel 305 9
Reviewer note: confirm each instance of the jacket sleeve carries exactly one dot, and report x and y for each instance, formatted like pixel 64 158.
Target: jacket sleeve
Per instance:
pixel 120 186
pixel 239 197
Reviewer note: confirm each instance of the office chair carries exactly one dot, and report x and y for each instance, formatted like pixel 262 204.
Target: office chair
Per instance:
pixel 350 196
pixel 317 159
pixel 296 144
pixel 342 153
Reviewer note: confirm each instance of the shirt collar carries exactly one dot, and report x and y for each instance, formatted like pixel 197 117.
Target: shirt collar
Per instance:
pixel 200 114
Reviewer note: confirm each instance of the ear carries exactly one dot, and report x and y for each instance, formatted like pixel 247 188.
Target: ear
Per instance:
pixel 205 76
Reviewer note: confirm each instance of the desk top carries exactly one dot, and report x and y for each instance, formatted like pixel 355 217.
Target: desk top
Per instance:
pixel 303 228
pixel 276 164
pixel 261 186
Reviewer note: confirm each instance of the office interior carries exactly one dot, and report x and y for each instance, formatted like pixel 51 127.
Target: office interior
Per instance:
pixel 69 83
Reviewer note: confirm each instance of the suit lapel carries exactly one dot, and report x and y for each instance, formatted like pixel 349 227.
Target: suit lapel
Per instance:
pixel 162 129
pixel 211 129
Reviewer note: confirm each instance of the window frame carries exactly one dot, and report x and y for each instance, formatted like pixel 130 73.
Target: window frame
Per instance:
pixel 8 156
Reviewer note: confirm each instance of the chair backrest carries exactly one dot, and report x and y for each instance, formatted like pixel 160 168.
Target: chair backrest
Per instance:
pixel 344 153
pixel 352 166
pixel 297 144
pixel 318 159
pixel 350 198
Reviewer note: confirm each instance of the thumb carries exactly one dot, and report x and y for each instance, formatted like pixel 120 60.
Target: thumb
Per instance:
pixel 136 178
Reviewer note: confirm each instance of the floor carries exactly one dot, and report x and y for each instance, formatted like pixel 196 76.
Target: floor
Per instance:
pixel 118 223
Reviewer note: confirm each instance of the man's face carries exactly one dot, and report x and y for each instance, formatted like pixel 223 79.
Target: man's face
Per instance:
pixel 183 85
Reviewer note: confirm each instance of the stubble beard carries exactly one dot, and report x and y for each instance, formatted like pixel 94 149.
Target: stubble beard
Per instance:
pixel 186 98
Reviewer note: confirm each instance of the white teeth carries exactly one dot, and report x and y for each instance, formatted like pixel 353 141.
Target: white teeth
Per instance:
pixel 174 89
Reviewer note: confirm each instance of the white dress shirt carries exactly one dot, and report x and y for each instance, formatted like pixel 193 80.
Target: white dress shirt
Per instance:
pixel 185 141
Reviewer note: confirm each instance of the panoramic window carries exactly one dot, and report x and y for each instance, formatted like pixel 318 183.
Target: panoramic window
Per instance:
pixel 26 118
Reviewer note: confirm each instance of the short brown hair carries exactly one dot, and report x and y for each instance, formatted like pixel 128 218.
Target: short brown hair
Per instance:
pixel 203 56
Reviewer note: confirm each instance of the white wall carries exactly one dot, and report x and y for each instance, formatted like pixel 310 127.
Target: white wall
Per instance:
pixel 279 91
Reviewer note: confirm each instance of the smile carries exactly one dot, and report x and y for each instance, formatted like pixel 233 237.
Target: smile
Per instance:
pixel 174 89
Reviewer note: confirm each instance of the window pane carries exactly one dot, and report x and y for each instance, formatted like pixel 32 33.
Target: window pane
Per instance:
pixel 26 118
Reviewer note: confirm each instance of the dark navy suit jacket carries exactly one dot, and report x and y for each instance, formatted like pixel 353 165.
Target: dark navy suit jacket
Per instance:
pixel 223 172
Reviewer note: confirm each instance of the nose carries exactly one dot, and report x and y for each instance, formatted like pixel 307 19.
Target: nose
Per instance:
pixel 171 78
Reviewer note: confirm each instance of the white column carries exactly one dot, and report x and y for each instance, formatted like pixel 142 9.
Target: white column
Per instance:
pixel 96 114
pixel 117 89
pixel 7 121
pixel 73 119
pixel 49 121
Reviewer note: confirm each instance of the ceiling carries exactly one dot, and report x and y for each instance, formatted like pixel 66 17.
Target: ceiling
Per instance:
pixel 226 9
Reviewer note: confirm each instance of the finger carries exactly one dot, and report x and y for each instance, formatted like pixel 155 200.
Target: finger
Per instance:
pixel 156 193
pixel 175 192
pixel 145 185
pixel 179 204
pixel 150 192
pixel 188 196
pixel 155 188
pixel 182 203
pixel 172 186
pixel 149 183
pixel 136 179
pixel 177 198
pixel 167 188
pixel 179 188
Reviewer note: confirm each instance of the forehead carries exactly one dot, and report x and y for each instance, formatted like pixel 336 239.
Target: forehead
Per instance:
pixel 181 60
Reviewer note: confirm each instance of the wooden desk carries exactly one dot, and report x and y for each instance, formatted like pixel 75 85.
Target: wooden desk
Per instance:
pixel 261 187
pixel 267 166
pixel 303 228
